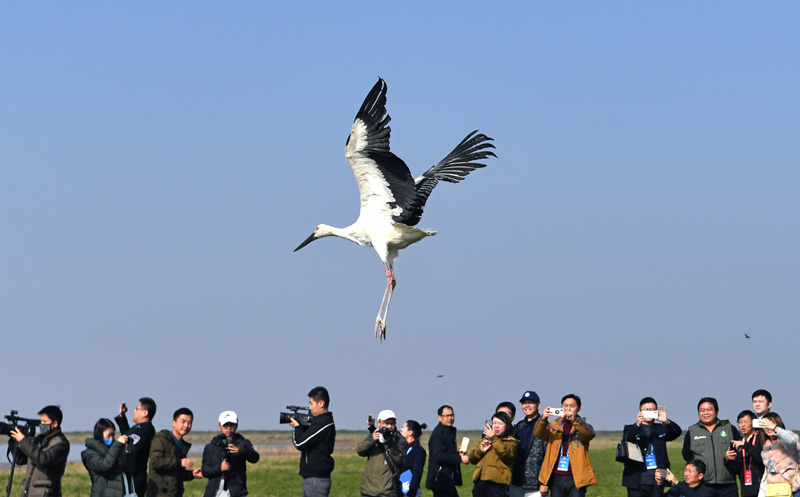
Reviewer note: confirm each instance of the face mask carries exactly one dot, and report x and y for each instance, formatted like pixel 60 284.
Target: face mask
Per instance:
pixel 45 429
pixel 108 441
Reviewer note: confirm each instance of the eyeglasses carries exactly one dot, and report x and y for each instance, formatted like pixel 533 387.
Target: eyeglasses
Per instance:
pixel 448 415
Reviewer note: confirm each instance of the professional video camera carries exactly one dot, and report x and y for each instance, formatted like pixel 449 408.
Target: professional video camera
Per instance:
pixel 28 429
pixel 303 419
pixel 15 457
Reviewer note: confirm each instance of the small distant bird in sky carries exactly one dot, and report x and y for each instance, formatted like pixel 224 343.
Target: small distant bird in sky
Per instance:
pixel 440 376
pixel 746 335
pixel 392 201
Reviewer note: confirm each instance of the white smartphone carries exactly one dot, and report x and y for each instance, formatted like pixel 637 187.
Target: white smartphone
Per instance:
pixel 464 444
pixel 650 414
pixel 557 411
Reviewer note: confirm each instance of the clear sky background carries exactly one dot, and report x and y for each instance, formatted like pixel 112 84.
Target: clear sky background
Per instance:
pixel 159 161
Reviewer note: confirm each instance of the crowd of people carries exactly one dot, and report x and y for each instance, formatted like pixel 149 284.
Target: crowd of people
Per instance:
pixel 542 454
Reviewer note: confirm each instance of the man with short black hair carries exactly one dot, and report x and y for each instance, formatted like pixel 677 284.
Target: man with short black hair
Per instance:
pixel 694 484
pixel 566 470
pixel 141 436
pixel 507 407
pixel 638 477
pixel 762 402
pixel 708 440
pixel 170 465
pixel 47 455
pixel 528 463
pixel 316 442
pixel 444 466
pixel 744 458
pixel 385 451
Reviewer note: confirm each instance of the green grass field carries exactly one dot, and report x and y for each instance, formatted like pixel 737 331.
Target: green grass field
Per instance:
pixel 275 475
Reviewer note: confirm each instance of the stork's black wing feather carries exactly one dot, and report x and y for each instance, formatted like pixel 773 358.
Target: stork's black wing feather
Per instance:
pixel 453 168
pixel 384 181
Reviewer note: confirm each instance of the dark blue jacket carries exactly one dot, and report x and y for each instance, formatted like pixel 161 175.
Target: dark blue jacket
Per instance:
pixel 237 476
pixel 415 461
pixel 141 435
pixel 316 443
pixel 659 436
pixel 444 468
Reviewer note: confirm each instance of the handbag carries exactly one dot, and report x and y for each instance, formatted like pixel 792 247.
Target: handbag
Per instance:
pixel 782 489
pixel 628 451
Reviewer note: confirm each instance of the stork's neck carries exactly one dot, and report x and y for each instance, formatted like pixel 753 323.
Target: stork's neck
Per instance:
pixel 348 233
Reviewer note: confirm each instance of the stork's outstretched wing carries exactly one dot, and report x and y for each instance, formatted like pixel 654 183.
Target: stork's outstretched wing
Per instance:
pixel 453 168
pixel 384 181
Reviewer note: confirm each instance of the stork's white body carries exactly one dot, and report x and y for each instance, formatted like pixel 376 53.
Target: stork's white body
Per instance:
pixel 391 200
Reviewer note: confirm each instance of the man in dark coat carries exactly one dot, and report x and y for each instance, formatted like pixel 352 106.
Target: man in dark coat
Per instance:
pixel 225 458
pixel 528 463
pixel 744 459
pixel 141 436
pixel 47 455
pixel 651 438
pixel 444 467
pixel 169 464
pixel 315 442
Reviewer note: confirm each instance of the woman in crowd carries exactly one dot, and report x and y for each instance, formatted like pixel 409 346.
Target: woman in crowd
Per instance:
pixel 104 458
pixel 414 463
pixel 494 456
pixel 779 450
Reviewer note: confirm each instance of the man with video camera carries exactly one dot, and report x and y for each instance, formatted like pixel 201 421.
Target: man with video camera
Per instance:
pixel 385 452
pixel 225 459
pixel 47 455
pixel 315 442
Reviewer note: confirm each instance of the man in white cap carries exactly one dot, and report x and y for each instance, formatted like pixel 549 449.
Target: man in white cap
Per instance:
pixel 385 452
pixel 225 459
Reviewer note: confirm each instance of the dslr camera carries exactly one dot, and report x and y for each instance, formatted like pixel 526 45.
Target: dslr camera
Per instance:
pixel 388 435
pixel 302 418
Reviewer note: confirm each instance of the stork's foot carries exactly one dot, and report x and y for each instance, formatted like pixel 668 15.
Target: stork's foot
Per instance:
pixel 380 329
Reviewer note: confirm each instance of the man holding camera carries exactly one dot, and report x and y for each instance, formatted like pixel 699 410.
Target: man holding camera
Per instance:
pixel 315 442
pixel 530 456
pixel 47 455
pixel 225 459
pixel 385 452
pixel 140 436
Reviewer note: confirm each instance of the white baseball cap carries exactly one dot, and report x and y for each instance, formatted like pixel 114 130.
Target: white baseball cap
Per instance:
pixel 228 417
pixel 386 414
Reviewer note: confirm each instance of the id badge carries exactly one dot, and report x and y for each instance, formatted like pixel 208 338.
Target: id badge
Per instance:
pixel 563 463
pixel 748 477
pixel 650 461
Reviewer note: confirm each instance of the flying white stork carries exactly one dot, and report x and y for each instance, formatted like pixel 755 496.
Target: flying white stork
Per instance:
pixel 391 200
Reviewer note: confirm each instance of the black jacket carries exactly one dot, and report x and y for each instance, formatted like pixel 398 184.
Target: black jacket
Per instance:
pixel 141 435
pixel 444 468
pixel 752 459
pixel 47 459
pixel 684 490
pixel 530 455
pixel 415 462
pixel 105 465
pixel 659 436
pixel 315 442
pixel 213 454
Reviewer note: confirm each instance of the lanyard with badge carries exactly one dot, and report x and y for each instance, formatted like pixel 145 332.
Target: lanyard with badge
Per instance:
pixel 650 459
pixel 747 463
pixel 563 460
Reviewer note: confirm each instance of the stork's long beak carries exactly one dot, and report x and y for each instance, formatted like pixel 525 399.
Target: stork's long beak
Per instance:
pixel 306 241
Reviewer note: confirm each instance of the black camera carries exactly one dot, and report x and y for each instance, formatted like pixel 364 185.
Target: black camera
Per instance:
pixel 28 429
pixel 388 434
pixel 303 419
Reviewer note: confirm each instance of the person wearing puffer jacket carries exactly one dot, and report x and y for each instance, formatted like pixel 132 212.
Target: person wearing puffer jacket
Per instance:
pixel 104 459
pixel 780 450
pixel 494 456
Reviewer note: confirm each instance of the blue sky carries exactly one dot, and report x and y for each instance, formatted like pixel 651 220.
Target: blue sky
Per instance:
pixel 160 161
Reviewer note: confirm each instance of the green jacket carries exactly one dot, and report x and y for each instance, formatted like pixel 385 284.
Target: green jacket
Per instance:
pixel 105 467
pixel 496 464
pixel 165 475
pixel 379 479
pixel 710 448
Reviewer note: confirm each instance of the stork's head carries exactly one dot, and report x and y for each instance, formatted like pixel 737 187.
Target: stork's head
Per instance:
pixel 320 231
